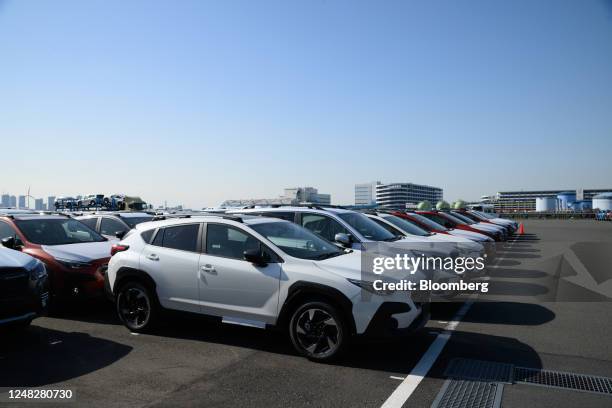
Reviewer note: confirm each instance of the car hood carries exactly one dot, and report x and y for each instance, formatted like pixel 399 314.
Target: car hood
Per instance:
pixel 13 259
pixel 83 252
pixel 347 266
pixel 469 234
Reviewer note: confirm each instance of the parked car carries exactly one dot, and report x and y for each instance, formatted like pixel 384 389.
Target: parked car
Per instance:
pixel 513 225
pixel 255 271
pixel 92 200
pixel 434 227
pixel 449 221
pixel 74 255
pixel 65 203
pixel 114 225
pixel 24 289
pixel 480 224
pixel 406 228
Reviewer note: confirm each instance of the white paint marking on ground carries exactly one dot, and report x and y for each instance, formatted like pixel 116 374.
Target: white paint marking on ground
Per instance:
pixel 411 382
pixel 54 342
pixel 134 334
pixel 394 377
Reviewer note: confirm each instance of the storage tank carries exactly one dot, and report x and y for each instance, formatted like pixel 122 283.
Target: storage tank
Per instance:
pixel 546 204
pixel 565 199
pixel 603 201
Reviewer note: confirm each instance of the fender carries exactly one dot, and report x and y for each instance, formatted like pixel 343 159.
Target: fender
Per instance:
pixel 126 273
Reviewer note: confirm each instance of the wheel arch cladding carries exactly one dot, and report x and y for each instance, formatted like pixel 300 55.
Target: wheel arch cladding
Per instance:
pixel 301 291
pixel 130 274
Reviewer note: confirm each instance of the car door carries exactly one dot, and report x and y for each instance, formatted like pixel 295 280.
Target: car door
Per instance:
pixel 232 287
pixel 172 259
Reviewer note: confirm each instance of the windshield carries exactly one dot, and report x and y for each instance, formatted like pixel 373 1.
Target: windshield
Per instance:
pixel 431 224
pixel 407 226
pixel 133 221
pixel 454 220
pixel 366 227
pixel 297 241
pixel 57 231
pixel 465 218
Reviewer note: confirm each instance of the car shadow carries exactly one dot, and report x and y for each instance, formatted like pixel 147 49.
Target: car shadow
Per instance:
pixel 99 311
pixel 494 312
pixel 39 356
pixel 516 273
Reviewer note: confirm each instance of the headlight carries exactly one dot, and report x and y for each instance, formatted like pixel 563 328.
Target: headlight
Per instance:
pixel 369 286
pixel 38 272
pixel 73 264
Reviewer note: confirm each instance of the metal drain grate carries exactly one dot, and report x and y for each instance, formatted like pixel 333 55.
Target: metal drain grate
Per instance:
pixel 560 379
pixel 478 370
pixel 469 394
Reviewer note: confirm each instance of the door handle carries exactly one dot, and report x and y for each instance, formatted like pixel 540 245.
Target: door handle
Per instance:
pixel 208 268
pixel 153 257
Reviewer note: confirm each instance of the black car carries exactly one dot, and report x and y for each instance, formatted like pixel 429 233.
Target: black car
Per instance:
pixel 24 289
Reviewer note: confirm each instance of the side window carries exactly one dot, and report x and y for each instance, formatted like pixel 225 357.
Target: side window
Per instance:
pixel 146 235
pixel 109 226
pixel 159 238
pixel 323 226
pixel 229 242
pixel 6 231
pixel 183 237
pixel 90 222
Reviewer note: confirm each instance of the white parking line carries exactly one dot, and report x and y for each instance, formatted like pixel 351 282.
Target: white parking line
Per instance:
pixel 410 383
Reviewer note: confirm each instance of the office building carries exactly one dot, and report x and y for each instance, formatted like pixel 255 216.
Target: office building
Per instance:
pixel 405 195
pixel 38 204
pixel 50 203
pixel 365 193
pixel 5 200
pixel 22 201
pixel 13 201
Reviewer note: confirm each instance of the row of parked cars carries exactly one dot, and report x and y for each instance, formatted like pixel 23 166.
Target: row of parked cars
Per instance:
pixel 295 268
pixel 112 202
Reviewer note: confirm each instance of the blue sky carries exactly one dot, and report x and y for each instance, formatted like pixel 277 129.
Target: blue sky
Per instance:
pixel 197 102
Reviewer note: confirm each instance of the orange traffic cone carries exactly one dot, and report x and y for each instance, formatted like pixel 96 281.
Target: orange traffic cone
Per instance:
pixel 521 230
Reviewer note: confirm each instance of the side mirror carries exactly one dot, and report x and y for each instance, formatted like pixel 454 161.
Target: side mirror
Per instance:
pixel 343 239
pixel 12 243
pixel 120 234
pixel 255 257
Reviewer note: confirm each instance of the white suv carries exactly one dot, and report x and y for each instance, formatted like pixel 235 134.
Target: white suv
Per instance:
pixel 254 271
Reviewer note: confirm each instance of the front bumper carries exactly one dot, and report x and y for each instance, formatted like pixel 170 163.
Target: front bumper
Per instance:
pixel 390 320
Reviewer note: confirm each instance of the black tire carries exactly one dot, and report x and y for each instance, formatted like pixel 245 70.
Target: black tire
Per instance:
pixel 23 325
pixel 318 331
pixel 137 307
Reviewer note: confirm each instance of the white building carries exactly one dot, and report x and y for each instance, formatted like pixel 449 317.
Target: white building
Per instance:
pixel 365 193
pixel 291 196
pixel 401 195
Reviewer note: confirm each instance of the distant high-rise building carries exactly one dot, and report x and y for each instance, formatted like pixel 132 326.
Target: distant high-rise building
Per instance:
pixel 13 201
pixel 38 204
pixel 50 203
pixel 6 200
pixel 365 193
pixel 22 201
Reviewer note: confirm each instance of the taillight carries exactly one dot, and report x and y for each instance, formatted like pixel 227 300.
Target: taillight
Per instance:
pixel 116 248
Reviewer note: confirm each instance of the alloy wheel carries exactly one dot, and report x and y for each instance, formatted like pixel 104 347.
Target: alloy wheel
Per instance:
pixel 317 332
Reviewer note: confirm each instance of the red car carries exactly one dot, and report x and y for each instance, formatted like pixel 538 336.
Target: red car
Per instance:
pixel 76 257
